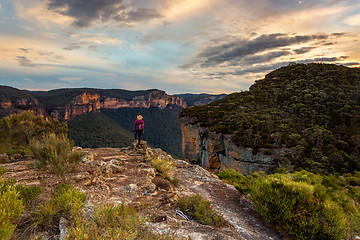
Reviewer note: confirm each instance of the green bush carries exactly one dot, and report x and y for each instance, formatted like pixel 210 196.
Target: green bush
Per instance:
pixel 165 167
pixel 162 165
pixel 113 222
pixel 10 209
pixel 55 153
pixel 200 209
pixel 28 194
pixel 16 131
pixel 66 202
pixel 303 210
pixel 2 171
pixel 239 181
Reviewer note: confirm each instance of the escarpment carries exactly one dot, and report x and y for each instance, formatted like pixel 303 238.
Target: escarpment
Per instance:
pixel 217 151
pixel 154 98
pixel 79 105
pixel 64 104
pixel 93 102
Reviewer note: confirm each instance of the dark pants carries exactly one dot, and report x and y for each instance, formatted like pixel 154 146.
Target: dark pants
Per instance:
pixel 138 136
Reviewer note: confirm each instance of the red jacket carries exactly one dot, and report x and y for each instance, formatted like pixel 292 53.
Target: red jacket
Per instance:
pixel 139 125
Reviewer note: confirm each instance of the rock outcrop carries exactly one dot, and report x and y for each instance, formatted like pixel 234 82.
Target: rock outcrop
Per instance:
pixel 79 105
pixel 155 98
pixel 109 175
pixel 8 107
pixel 216 151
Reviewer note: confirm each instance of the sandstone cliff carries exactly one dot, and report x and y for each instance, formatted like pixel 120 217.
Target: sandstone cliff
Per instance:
pixel 85 101
pixel 155 98
pixel 217 152
pixel 127 175
pixel 79 105
pixel 8 107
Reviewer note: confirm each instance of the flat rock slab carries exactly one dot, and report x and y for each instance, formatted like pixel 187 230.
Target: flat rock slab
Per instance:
pixel 127 176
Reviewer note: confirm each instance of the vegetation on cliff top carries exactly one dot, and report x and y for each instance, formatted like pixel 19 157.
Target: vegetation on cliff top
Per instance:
pixel 311 109
pixel 12 94
pixel 305 205
pixel 17 131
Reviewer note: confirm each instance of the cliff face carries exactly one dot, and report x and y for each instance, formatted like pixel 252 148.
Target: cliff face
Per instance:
pixel 90 102
pixel 217 152
pixel 81 104
pixel 155 98
pixel 8 107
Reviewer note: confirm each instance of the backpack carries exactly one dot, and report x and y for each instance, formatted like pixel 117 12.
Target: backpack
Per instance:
pixel 139 127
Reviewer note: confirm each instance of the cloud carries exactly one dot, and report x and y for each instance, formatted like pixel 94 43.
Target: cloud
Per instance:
pixel 252 70
pixel 235 50
pixel 175 10
pixel 85 12
pixel 350 63
pixel 141 14
pixel 25 50
pixel 303 50
pixel 43 53
pixel 24 61
pixel 93 47
pixel 329 43
pixel 70 79
pixel 267 57
pixel 95 38
pixel 340 34
pixel 110 75
pixel 326 59
pixel 72 46
pixel 353 20
pixel 263 68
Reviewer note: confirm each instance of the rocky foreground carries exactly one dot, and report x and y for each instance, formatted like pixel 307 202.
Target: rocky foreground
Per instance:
pixel 126 175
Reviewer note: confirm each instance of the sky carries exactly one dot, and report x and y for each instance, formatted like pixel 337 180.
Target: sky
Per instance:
pixel 179 46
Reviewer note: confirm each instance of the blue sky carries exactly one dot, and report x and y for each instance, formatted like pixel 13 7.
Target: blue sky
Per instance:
pixel 214 46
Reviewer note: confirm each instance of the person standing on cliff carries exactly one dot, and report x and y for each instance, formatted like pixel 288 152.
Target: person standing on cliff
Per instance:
pixel 139 129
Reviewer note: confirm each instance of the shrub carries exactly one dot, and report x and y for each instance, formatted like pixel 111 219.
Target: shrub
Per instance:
pixel 55 153
pixel 18 130
pixel 111 221
pixel 2 171
pixel 303 210
pixel 66 202
pixel 165 167
pixel 230 176
pixel 28 194
pixel 162 165
pixel 10 209
pixel 200 209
